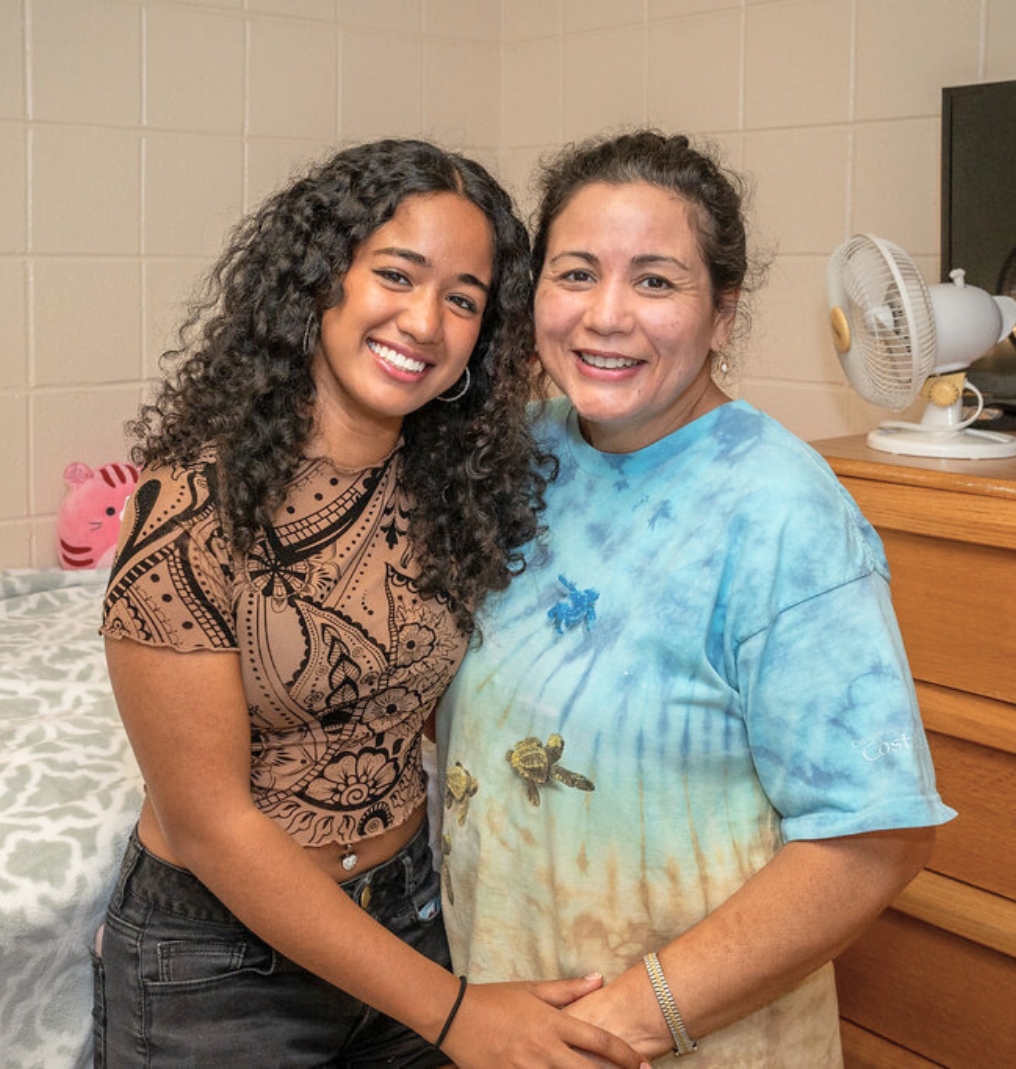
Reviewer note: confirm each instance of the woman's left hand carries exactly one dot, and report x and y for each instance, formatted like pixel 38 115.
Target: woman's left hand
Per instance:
pixel 792 916
pixel 627 1008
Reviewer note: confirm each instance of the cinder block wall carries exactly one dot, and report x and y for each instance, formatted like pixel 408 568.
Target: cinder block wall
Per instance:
pixel 133 133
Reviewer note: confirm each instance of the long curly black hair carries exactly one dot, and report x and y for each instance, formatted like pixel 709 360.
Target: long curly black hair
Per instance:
pixel 239 383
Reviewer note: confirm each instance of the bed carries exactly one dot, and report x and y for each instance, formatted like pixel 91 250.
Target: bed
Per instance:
pixel 70 792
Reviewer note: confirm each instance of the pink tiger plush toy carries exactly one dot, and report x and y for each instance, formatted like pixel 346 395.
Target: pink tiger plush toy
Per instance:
pixel 88 525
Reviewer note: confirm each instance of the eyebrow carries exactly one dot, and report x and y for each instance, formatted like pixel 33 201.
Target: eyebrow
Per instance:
pixel 644 260
pixel 658 258
pixel 418 258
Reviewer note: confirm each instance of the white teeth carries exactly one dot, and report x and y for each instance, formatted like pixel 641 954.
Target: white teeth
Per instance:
pixel 390 356
pixel 608 363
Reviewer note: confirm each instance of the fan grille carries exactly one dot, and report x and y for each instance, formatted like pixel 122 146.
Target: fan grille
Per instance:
pixel 891 321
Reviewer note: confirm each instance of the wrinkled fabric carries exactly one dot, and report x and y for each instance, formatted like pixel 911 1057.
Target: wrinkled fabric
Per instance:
pixel 701 664
pixel 342 660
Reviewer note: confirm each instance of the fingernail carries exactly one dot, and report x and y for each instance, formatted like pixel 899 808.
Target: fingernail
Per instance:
pixel 594 976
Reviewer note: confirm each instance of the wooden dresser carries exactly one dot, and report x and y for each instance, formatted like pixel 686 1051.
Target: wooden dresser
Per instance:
pixel 933 981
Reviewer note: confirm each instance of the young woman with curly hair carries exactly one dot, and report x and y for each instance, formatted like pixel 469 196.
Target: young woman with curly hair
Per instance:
pixel 335 474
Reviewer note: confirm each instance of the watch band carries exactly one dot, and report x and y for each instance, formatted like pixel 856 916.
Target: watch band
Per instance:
pixel 683 1043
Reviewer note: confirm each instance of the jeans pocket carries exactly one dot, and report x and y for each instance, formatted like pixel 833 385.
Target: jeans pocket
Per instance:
pixel 430 910
pixel 186 961
pixel 412 917
pixel 98 1012
pixel 427 897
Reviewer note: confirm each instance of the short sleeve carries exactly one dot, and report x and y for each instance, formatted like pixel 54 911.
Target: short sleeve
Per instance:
pixel 172 580
pixel 833 721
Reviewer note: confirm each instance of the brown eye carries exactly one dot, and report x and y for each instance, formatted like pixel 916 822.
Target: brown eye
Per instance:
pixel 467 304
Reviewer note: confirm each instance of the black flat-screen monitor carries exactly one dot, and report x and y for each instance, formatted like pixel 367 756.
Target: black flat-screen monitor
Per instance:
pixel 979 184
pixel 979 215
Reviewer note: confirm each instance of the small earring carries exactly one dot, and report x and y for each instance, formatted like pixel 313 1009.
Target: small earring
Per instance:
pixel 306 334
pixel 461 393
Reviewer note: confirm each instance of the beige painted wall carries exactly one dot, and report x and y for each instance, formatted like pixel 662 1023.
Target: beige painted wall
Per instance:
pixel 134 132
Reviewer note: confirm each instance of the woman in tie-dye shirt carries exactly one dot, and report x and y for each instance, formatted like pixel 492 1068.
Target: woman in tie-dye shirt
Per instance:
pixel 687 754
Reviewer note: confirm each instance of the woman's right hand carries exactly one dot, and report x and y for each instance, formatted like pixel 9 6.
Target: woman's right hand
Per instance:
pixel 521 1026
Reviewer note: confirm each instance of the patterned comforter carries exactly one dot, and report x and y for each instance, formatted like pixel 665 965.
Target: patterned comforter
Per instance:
pixel 69 794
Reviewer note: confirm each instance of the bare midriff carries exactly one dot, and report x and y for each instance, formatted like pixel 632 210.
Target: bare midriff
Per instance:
pixel 330 857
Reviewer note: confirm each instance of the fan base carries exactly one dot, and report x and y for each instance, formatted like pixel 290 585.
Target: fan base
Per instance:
pixel 967 444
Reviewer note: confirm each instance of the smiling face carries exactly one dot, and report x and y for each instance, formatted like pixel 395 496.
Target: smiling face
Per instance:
pixel 625 315
pixel 413 303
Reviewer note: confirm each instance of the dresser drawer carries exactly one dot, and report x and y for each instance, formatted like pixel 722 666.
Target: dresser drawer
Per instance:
pixel 867 1050
pixel 979 782
pixel 946 998
pixel 956 604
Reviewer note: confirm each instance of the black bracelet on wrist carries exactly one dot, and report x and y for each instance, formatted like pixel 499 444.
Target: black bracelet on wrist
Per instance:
pixel 451 1014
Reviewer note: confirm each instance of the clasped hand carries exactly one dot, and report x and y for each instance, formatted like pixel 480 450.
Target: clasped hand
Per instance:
pixel 521 1026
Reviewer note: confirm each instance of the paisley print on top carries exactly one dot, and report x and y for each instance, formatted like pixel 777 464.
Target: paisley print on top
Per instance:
pixel 342 659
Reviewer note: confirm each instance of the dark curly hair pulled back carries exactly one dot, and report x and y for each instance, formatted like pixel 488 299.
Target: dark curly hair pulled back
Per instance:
pixel 715 195
pixel 240 382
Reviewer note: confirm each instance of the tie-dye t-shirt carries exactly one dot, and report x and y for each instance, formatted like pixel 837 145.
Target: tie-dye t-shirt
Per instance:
pixel 701 664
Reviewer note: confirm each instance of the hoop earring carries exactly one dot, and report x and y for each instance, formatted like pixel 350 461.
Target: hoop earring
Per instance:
pixel 461 393
pixel 306 334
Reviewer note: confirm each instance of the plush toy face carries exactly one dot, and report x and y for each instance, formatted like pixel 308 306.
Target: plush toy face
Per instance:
pixel 89 522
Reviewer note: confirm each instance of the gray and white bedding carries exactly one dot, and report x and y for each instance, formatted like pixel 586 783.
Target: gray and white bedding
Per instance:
pixel 70 792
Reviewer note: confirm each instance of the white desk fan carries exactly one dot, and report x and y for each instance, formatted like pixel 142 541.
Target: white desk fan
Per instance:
pixel 897 337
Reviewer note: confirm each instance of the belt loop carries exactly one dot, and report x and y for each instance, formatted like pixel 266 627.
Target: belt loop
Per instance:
pixel 406 858
pixel 131 857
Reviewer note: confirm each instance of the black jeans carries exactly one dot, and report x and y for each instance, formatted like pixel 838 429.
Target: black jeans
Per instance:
pixel 181 982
